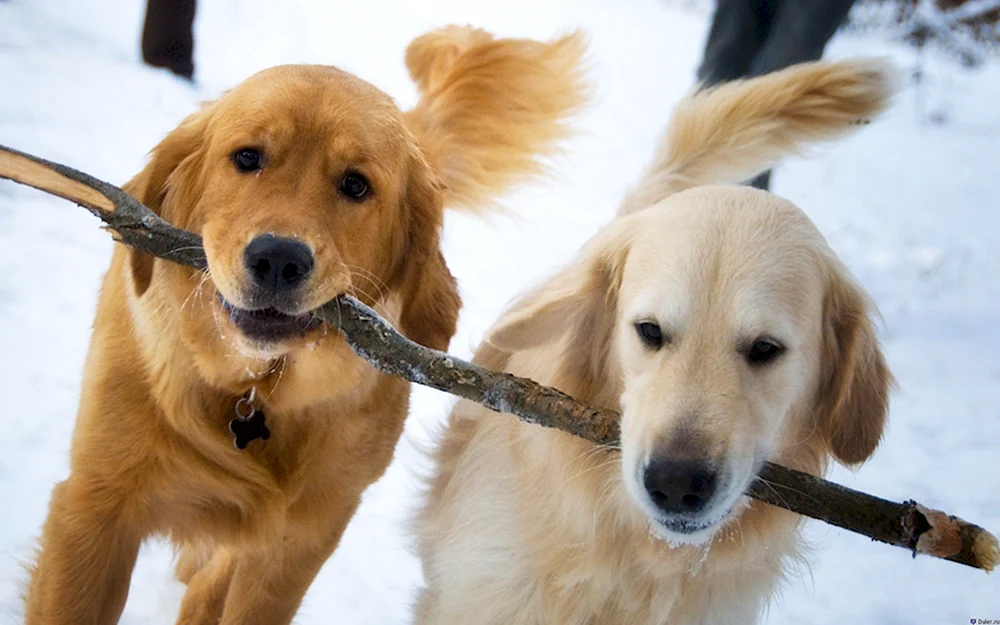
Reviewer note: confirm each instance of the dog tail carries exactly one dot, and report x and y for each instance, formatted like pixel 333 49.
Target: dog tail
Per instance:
pixel 491 109
pixel 732 132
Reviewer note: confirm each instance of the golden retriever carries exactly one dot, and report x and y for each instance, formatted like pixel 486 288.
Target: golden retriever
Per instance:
pixel 305 182
pixel 722 326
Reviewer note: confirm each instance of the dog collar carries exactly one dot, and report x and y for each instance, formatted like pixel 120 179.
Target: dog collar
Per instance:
pixel 249 422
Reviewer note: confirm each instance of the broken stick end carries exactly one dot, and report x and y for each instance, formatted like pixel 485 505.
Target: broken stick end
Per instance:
pixel 987 551
pixel 945 536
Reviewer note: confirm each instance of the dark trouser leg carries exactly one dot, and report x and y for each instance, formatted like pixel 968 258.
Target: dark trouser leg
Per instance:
pixel 739 28
pixel 762 181
pixel 799 33
pixel 168 36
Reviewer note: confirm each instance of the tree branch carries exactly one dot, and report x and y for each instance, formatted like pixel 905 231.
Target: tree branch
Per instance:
pixel 908 524
pixel 929 19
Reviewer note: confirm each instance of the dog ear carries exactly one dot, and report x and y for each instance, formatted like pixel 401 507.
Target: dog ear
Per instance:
pixel 578 304
pixel 431 303
pixel 551 310
pixel 172 164
pixel 853 397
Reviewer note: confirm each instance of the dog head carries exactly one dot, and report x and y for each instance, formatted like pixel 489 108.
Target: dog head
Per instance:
pixel 304 183
pixel 731 335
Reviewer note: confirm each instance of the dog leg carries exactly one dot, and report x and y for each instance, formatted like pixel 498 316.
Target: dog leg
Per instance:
pixel 207 588
pixel 191 558
pixel 85 563
pixel 267 585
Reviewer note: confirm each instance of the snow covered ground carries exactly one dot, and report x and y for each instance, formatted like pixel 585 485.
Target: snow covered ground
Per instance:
pixel 911 207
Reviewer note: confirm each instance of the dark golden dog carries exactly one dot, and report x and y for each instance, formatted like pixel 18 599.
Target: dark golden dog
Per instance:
pixel 305 182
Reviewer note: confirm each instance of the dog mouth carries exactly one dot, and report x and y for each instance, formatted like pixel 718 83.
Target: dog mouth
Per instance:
pixel 691 526
pixel 269 325
pixel 701 527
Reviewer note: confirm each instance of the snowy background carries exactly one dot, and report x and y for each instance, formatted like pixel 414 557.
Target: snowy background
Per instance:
pixel 910 205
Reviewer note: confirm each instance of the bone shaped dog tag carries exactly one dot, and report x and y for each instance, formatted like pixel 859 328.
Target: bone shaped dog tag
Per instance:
pixel 249 422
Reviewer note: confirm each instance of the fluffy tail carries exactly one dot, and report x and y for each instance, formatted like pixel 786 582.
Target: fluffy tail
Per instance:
pixel 491 108
pixel 734 131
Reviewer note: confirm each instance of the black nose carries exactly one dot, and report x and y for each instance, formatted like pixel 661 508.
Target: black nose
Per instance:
pixel 276 264
pixel 678 486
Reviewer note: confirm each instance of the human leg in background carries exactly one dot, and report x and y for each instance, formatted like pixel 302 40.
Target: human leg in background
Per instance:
pixel 168 36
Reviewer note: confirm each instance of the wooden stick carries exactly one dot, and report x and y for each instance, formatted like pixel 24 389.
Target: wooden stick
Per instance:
pixel 908 524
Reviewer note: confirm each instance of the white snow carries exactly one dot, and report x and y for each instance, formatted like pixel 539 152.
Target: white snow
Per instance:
pixel 909 204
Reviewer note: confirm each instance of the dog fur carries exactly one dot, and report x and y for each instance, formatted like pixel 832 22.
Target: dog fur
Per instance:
pixel 526 525
pixel 151 452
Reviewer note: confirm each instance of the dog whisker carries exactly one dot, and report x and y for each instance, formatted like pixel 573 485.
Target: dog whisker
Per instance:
pixel 177 250
pixel 377 282
pixel 283 364
pixel 778 494
pixel 377 303
pixel 196 291
pixel 584 458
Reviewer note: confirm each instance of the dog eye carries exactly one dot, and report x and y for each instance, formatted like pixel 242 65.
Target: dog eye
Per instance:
pixel 650 334
pixel 354 186
pixel 764 351
pixel 248 159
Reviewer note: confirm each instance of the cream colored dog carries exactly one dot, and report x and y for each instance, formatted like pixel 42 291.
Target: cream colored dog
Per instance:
pixel 720 323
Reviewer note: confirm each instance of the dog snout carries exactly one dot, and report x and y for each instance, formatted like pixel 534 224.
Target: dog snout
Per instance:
pixel 277 264
pixel 679 486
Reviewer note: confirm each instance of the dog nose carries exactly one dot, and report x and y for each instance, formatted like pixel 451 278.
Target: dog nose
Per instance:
pixel 278 264
pixel 678 486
